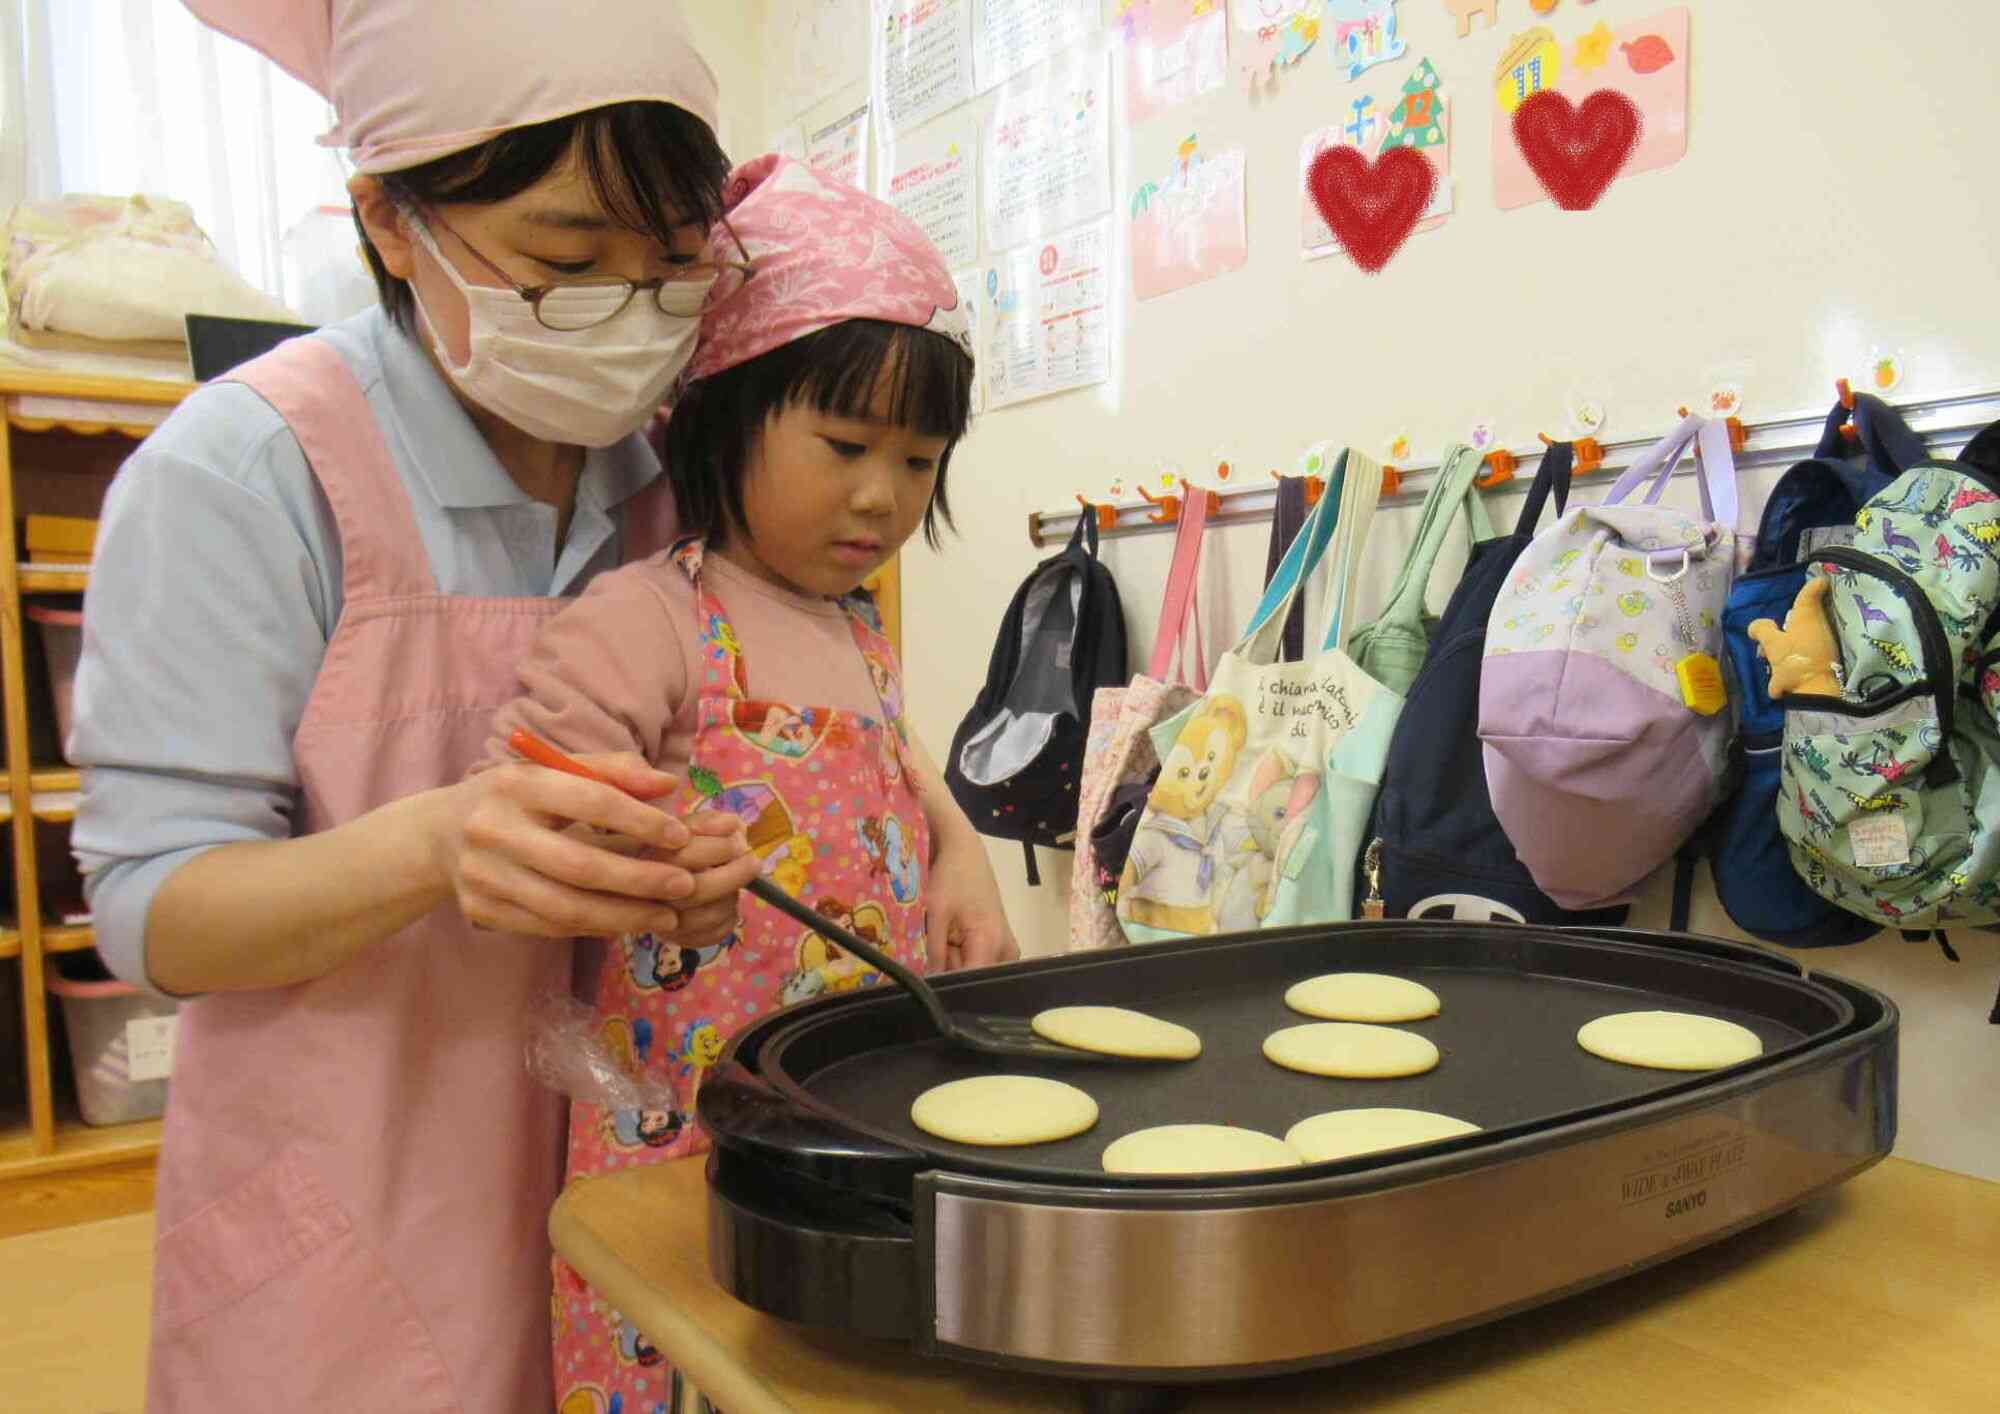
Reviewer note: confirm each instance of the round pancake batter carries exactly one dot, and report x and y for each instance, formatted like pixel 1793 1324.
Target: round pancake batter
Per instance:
pixel 1669 1040
pixel 1362 996
pixel 1116 1031
pixel 1341 1134
pixel 1197 1148
pixel 1003 1110
pixel 1350 1051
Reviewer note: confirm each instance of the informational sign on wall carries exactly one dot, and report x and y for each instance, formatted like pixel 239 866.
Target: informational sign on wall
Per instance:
pixel 920 61
pixel 971 292
pixel 1012 36
pixel 1048 152
pixel 930 178
pixel 1050 316
pixel 840 149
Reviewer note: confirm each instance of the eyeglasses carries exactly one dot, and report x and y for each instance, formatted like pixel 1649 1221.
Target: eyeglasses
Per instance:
pixel 568 306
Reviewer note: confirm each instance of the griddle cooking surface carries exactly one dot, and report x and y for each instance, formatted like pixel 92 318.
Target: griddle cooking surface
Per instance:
pixel 1512 1002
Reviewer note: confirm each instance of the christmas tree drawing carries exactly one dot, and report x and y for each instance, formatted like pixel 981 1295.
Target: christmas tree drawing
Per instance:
pixel 1418 120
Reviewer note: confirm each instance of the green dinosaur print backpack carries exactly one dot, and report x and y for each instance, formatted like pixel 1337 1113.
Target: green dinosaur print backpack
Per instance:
pixel 1890 796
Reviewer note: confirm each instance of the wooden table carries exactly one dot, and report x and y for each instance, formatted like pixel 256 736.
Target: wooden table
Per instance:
pixel 1883 1296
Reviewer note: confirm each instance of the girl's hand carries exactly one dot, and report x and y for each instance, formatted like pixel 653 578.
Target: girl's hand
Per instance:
pixel 506 841
pixel 967 923
pixel 719 858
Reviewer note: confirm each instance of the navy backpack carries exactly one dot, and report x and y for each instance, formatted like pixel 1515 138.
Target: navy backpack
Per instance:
pixel 1812 505
pixel 1436 848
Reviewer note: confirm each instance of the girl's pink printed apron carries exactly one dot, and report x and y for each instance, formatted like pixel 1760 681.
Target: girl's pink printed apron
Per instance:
pixel 828 801
pixel 356 1172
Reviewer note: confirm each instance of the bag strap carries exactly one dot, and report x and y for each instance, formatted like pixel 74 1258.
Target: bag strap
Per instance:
pixel 1181 602
pixel 1552 476
pixel 1304 555
pixel 1360 493
pixel 1452 490
pixel 1713 459
pixel 1286 521
pixel 1891 446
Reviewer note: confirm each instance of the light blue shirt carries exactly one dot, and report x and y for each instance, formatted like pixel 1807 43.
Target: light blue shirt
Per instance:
pixel 215 587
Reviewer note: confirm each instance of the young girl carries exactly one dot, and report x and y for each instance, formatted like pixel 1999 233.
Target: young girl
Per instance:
pixel 831 383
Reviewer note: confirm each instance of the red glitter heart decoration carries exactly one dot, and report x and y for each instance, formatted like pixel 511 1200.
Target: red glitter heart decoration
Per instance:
pixel 1371 207
pixel 1576 152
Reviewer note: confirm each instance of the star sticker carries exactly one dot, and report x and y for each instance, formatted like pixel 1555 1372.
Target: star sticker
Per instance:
pixel 1593 51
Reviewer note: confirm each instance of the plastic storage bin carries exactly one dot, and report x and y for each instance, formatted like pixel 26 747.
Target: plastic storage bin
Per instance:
pixel 62 645
pixel 109 1024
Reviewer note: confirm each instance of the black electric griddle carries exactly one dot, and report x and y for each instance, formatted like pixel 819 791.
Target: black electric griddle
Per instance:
pixel 828 1206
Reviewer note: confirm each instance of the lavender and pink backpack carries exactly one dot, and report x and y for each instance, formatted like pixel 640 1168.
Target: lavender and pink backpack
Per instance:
pixel 1603 718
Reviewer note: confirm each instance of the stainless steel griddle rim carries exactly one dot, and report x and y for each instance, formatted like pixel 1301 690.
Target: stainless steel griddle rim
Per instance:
pixel 1870 1046
pixel 775 1031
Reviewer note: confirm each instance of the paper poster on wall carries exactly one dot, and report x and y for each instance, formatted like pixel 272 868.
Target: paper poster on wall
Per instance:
pixel 789 140
pixel 1049 316
pixel 816 48
pixel 1189 226
pixel 1048 152
pixel 840 149
pixel 920 59
pixel 1418 119
pixel 1645 62
pixel 931 178
pixel 1173 52
pixel 1272 35
pixel 971 284
pixel 1364 34
pixel 1010 37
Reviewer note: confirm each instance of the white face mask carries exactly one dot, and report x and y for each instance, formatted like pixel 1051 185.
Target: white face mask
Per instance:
pixel 590 387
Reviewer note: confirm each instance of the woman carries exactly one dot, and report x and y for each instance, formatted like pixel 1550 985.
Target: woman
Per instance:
pixel 312 589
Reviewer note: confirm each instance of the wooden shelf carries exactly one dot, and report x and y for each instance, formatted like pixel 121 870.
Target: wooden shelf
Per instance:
pixel 68 937
pixel 78 1145
pixel 55 581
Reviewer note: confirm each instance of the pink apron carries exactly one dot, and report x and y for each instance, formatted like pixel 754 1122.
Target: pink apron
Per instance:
pixel 356 1172
pixel 827 799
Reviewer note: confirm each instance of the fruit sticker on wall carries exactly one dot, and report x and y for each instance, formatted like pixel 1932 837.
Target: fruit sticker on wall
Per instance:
pixel 1577 114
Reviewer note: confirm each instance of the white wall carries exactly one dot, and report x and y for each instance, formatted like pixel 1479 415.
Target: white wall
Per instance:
pixel 1833 199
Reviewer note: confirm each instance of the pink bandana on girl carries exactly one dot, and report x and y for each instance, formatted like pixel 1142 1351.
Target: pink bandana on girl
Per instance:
pixel 824 253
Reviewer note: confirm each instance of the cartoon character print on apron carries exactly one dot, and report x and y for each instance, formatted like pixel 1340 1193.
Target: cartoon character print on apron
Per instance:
pixel 827 801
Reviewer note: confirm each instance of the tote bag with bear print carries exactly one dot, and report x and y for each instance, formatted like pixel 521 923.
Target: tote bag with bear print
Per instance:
pixel 1267 781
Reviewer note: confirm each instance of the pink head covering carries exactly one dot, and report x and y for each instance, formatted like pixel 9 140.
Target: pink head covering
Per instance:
pixel 412 80
pixel 824 253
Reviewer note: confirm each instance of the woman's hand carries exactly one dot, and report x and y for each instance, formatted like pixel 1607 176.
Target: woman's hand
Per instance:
pixel 967 925
pixel 509 843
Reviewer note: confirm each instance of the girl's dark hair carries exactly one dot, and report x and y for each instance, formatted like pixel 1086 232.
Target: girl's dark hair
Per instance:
pixel 834 371
pixel 654 166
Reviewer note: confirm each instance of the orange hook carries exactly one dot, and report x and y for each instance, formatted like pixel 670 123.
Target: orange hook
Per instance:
pixel 1589 452
pixel 1500 465
pixel 1165 508
pixel 1738 438
pixel 1846 391
pixel 1315 487
pixel 1107 516
pixel 1392 480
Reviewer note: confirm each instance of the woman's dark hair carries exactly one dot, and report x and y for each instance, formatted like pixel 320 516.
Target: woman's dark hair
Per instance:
pixel 654 166
pixel 834 371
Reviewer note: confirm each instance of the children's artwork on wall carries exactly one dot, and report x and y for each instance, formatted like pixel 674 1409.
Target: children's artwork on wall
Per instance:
pixel 1372 207
pixel 1273 35
pixel 1190 226
pixel 817 48
pixel 1173 51
pixel 1465 11
pixel 1364 34
pixel 1619 107
pixel 1418 121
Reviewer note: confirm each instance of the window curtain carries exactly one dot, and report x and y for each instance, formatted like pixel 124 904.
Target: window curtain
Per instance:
pixel 123 96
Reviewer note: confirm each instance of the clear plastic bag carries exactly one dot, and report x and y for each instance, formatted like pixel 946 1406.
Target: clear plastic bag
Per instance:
pixel 578 1053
